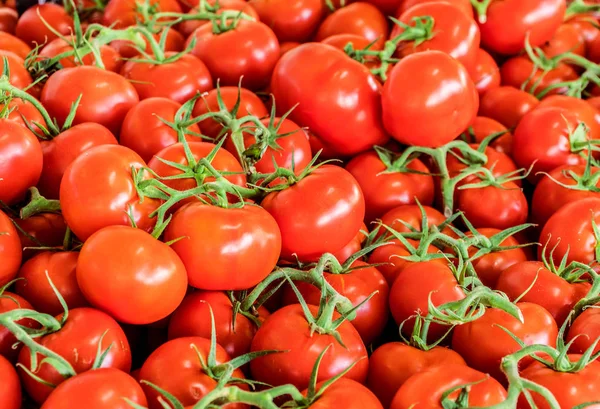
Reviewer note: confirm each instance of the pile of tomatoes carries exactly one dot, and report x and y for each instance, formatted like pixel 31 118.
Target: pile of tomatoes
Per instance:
pixel 377 204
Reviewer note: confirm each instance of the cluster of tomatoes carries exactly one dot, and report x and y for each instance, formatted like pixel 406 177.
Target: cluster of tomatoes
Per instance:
pixel 300 204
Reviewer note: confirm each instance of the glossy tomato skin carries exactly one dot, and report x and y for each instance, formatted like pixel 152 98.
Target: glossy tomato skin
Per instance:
pixel 8 302
pixel 507 105
pixel 106 96
pixel 353 245
pixel 412 216
pixel 344 106
pixel 392 364
pixel 384 191
pixel 493 343
pixel 464 5
pixel 416 111
pixel 425 389
pixel 567 38
pixel 77 342
pixel 61 151
pixel 584 331
pixel 97 190
pixel 174 42
pixel 9 42
pixel 520 72
pixel 287 330
pixel 337 395
pixel 176 368
pixel 290 20
pixel 187 27
pixel 46 228
pixel 123 13
pixel 250 50
pixel 538 19
pixel 179 80
pixel 8 19
pixel 228 260
pixel 10 386
pixel 31 29
pixel 484 72
pixel 103 388
pixel 21 110
pixel 312 208
pixel 109 56
pixel 192 318
pixel 35 287
pixel 10 250
pixel 19 76
pixel 20 154
pixel 152 278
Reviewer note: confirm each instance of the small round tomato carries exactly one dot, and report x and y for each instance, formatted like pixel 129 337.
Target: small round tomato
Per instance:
pixel 507 105
pixel 567 38
pixel 584 111
pixel 109 56
pixel 9 42
pixel 32 29
pixel 8 302
pixel 10 386
pixel 520 72
pixel 484 72
pixel 21 111
pixel 290 21
pixel 482 127
pixel 152 279
pixel 416 111
pixel 187 27
pixel 585 330
pixel 10 250
pixel 19 76
pixel 387 7
pixel 175 42
pixel 123 13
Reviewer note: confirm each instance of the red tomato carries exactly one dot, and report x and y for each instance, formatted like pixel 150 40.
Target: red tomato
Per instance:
pixel 77 342
pixel 388 7
pixel 464 5
pixel 584 111
pixel 584 331
pixel 10 386
pixel 179 80
pixel 288 330
pixel 567 38
pixel 228 261
pixel 174 42
pixel 392 364
pixel 250 50
pixel 507 105
pixel 493 343
pixel 9 42
pixel 176 367
pixel 61 151
pixel 340 41
pixel 327 204
pixel 416 111
pixel 291 21
pixel 104 388
pixel 353 246
pixel 344 111
pixel 10 249
pixel 98 190
pixel 484 72
pixel 401 216
pixel 47 229
pixel 21 110
pixel 336 395
pixel 31 28
pixel 19 76
pixel 482 127
pixel 498 163
pixel 106 96
pixel 8 20
pixel 508 24
pixel 152 279
pixel 9 302
pixel 109 56
pixel 520 72
pixel 187 27
pixel 425 389
pixel 123 13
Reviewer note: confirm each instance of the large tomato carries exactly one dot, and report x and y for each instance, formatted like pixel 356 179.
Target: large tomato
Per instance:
pixel 10 386
pixel 10 249
pixel 290 20
pixel 507 105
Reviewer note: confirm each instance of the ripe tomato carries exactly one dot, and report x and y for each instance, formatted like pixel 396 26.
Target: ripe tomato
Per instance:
pixel 176 367
pixel 175 42
pixel 9 42
pixel 425 389
pixel 98 190
pixel 388 7
pixel 344 111
pixel 336 395
pixel 584 111
pixel 10 249
pixel 77 342
pixel 123 13
pixel 567 38
pixel 106 96
pixel 498 163
pixel 109 56
pixel 584 331
pixel 152 279
pixel 187 27
pixel 507 105
pixel 9 302
pixel 250 50
pixel 312 208
pixel 10 386
pixel 482 127
pixel 21 110
pixel 340 41
pixel 290 21
pixel 520 72
pixel 416 111
pixel 61 151
pixel 401 216
pixel 8 20
pixel 493 343
pixel 47 229
pixel 464 5
pixel 104 388
pixel 353 246
pixel 228 260
pixel 179 80
pixel 537 19
pixel 288 330
pixel 19 76
pixel 31 28
pixel 384 191
pixel 392 364
pixel 484 72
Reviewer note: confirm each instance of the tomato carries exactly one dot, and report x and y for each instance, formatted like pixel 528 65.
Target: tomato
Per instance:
pixel 187 27
pixel 60 267
pixel 77 342
pixel 536 19
pixel 428 100
pixel 584 111
pixel 337 395
pixel 10 246
pixel 586 25
pixel 179 80
pixel 340 41
pixel 31 28
pixel 507 105
pixel 175 42
pixel 359 18
pixel 425 389
pixel 9 302
pixel 98 190
pixel 353 246
pixel 47 229
pixel 250 104
pixel 455 33
pixel 104 388
pixel 21 110
pixel 8 20
pixel 388 7
pixel 521 72
pixel 228 260
pixel 250 50
pixel 344 111
pixel 482 127
pixel 9 42
pixel 288 330
pixel 464 5
pixel 152 279
pixel 484 72
pixel 61 151
pixel 123 13
pixel 392 364
pixel 584 331
pixel 106 96
pixel 312 208
pixel 192 319
pixel 19 76
pixel 401 216
pixel 569 389
pixel 10 386
pixel 176 367
pixel 413 288
pixel 567 38
pixel 569 230
pixel 290 21
pixel 109 56
pixel 497 162
pixel 385 191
